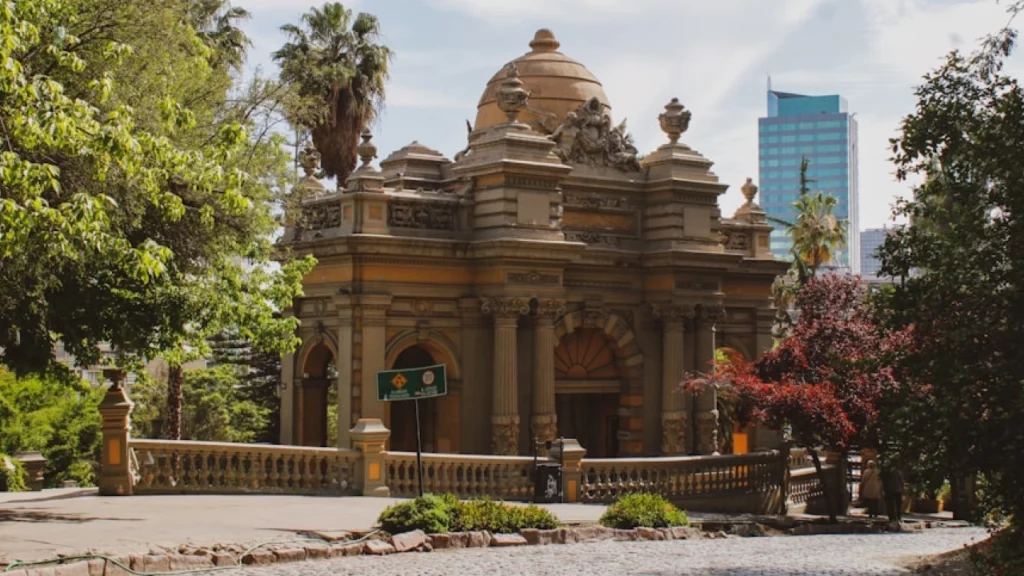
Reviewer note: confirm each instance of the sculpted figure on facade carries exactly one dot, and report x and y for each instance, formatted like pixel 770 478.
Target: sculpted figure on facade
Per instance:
pixel 588 137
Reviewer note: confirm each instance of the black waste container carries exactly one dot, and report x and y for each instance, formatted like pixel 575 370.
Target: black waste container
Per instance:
pixel 547 483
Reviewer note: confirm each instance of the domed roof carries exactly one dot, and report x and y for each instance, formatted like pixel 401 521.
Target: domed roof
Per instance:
pixel 557 84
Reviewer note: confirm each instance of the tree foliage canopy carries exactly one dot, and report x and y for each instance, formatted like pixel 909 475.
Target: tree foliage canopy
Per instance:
pixel 338 69
pixel 136 185
pixel 962 258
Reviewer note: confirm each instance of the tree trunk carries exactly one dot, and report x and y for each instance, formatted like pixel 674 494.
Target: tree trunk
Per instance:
pixel 827 487
pixel 172 426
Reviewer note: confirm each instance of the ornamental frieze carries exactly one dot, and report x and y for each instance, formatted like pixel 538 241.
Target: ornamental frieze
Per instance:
pixel 533 278
pixel 734 240
pixel 595 202
pixel 421 215
pixel 505 307
pixel 593 238
pixel 321 216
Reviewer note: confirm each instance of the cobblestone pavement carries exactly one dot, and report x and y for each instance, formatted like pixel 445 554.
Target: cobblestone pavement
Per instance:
pixel 775 556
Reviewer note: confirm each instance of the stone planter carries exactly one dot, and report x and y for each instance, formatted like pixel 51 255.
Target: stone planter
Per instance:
pixel 34 465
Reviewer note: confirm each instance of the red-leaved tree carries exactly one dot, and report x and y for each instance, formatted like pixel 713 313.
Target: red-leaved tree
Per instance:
pixel 823 383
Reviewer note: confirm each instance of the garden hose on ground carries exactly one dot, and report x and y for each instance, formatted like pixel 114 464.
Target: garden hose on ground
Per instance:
pixel 65 559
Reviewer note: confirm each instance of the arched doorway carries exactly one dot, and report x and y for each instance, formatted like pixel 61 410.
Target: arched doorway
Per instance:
pixel 587 386
pixel 317 403
pixel 403 413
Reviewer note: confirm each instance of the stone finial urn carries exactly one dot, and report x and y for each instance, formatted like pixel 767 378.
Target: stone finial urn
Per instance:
pixel 674 120
pixel 749 190
pixel 309 159
pixel 34 464
pixel 512 97
pixel 367 149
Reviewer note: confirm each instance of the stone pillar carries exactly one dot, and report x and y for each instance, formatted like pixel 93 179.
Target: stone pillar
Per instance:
pixel 115 477
pixel 369 437
pixel 374 340
pixel 675 422
pixel 505 405
pixel 476 378
pixel 570 454
pixel 288 399
pixel 343 363
pixel 544 418
pixel 707 401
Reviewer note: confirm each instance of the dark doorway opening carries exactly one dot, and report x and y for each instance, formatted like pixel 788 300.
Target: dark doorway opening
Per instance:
pixel 592 419
pixel 403 412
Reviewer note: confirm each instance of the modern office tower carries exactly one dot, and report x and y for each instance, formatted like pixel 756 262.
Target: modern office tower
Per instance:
pixel 870 265
pixel 822 129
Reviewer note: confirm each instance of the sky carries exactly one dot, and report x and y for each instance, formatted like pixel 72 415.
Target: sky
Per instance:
pixel 714 55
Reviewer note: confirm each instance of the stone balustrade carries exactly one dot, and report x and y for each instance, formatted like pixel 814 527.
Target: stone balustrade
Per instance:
pixel 747 482
pixel 178 467
pixel 468 476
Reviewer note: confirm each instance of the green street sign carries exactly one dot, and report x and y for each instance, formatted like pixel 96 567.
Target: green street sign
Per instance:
pixel 412 383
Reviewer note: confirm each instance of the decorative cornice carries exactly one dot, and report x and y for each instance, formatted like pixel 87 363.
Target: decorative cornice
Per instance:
pixel 670 312
pixel 532 277
pixel 505 307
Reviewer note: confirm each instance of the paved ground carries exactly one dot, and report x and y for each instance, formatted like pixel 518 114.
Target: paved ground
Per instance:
pixel 793 555
pixel 40 525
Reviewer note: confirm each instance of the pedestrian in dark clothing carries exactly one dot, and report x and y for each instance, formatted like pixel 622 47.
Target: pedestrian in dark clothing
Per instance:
pixel 894 494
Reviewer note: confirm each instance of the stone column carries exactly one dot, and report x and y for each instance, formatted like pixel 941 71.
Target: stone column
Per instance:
pixel 288 399
pixel 115 477
pixel 505 405
pixel 374 340
pixel 707 401
pixel 675 422
pixel 544 418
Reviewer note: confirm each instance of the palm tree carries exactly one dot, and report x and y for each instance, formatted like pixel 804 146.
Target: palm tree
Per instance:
pixel 338 70
pixel 215 21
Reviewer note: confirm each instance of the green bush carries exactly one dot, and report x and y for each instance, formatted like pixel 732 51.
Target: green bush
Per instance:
pixel 445 513
pixel 641 509
pixel 12 475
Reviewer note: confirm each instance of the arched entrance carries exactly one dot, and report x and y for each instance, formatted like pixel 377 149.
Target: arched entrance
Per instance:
pixel 587 386
pixel 316 408
pixel 403 413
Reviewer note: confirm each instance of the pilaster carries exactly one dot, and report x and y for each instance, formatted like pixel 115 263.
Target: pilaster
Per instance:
pixel 115 477
pixel 675 422
pixel 544 418
pixel 476 351
pixel 372 309
pixel 344 365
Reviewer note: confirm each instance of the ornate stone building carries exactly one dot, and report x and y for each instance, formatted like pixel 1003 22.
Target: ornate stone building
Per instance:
pixel 567 282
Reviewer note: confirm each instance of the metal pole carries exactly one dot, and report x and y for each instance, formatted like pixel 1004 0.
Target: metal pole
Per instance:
pixel 419 448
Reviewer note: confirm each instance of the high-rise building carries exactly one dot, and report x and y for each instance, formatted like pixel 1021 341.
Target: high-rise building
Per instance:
pixel 821 129
pixel 870 265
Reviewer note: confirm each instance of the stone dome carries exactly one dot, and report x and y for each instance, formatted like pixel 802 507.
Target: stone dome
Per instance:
pixel 557 84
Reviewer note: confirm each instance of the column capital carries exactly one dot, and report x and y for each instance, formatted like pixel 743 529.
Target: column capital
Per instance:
pixel 711 313
pixel 505 307
pixel 671 313
pixel 550 309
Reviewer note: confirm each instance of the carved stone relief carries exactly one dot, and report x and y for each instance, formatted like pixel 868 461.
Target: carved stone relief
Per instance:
pixel 734 240
pixel 587 136
pixel 421 215
pixel 532 277
pixel 589 237
pixel 320 216
pixel 595 202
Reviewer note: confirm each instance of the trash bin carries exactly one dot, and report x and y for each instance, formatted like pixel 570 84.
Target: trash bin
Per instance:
pixel 547 483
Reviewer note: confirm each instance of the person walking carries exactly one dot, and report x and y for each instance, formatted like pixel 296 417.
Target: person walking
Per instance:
pixel 894 494
pixel 871 488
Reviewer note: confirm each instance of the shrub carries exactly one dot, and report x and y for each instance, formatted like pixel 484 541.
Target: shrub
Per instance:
pixel 445 513
pixel 499 517
pixel 647 510
pixel 430 513
pixel 12 475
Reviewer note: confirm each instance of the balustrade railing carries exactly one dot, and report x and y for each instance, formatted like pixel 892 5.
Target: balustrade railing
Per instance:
pixel 171 467
pixel 467 476
pixel 681 478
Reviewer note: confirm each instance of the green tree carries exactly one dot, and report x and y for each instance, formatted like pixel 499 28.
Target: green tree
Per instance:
pixel 963 274
pixel 56 414
pixel 338 70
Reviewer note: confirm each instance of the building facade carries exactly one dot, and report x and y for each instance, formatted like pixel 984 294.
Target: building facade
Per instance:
pixel 821 129
pixel 870 265
pixel 567 284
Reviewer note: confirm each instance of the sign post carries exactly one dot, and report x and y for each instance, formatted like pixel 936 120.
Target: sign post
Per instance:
pixel 413 384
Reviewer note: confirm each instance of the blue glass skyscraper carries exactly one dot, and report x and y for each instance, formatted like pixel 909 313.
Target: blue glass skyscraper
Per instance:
pixel 821 129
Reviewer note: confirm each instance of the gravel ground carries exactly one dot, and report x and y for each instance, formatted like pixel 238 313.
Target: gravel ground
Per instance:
pixel 777 556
